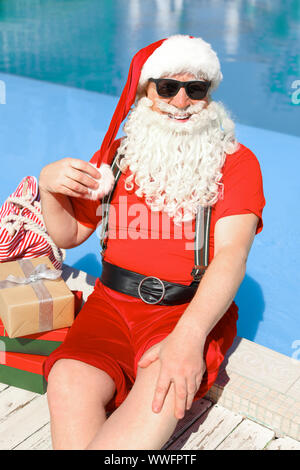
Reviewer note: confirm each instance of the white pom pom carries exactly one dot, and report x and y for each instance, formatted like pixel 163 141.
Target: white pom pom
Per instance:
pixel 106 182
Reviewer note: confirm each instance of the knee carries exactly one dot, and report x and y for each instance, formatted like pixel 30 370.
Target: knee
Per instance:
pixel 61 381
pixel 71 381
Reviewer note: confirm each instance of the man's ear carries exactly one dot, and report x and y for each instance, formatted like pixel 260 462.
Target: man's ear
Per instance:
pixel 142 91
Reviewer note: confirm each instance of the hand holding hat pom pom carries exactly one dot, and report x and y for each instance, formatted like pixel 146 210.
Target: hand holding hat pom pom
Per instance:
pixel 106 182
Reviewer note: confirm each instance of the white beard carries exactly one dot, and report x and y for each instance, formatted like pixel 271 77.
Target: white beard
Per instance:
pixel 177 165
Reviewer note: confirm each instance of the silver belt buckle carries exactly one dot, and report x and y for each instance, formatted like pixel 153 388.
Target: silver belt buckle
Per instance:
pixel 163 290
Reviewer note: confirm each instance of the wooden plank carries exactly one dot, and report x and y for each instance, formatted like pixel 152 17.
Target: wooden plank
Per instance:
pixel 262 365
pixel 12 399
pixel 27 420
pixel 247 436
pixel 40 440
pixel 199 408
pixel 3 387
pixel 78 280
pixel 209 430
pixel 284 443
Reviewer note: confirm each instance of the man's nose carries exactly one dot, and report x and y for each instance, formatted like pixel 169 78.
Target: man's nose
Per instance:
pixel 181 100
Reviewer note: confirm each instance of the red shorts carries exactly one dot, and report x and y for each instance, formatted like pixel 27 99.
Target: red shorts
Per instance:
pixel 113 330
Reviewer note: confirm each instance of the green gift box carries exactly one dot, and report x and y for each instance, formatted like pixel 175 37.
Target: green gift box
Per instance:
pixel 23 371
pixel 39 343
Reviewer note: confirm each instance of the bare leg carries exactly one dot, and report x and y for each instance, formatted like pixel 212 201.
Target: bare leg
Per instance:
pixel 134 425
pixel 77 395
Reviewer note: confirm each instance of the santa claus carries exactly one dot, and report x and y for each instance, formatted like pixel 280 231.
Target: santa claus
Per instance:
pixel 180 201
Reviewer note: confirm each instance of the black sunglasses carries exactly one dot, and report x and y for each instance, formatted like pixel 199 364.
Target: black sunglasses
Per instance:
pixel 167 87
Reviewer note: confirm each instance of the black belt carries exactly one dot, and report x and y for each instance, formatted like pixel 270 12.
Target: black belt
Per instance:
pixel 150 289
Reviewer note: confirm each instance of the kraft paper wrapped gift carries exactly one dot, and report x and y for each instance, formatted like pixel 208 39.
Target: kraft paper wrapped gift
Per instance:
pixel 43 343
pixel 39 343
pixel 40 305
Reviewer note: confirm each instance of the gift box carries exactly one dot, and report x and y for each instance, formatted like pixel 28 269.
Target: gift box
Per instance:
pixel 39 343
pixel 39 303
pixel 23 371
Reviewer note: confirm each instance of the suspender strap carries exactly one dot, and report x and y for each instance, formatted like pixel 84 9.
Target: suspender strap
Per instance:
pixel 202 226
pixel 201 245
pixel 106 203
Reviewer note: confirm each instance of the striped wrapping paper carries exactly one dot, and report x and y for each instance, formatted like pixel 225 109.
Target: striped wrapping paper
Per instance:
pixel 17 240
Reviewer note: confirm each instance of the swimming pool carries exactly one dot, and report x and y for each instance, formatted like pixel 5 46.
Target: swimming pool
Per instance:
pixel 66 43
pixel 89 44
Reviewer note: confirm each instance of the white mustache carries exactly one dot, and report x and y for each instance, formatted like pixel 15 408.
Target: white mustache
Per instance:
pixel 170 109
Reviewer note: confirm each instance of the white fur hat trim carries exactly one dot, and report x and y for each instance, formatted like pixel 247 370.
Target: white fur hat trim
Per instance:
pixel 179 54
pixel 106 182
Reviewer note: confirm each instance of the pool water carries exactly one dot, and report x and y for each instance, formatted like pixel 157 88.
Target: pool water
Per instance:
pixel 89 44
pixel 79 51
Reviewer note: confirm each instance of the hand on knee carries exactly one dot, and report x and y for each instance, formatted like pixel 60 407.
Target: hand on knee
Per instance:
pixel 181 367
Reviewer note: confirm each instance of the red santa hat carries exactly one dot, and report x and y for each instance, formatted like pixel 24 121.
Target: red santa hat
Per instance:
pixel 176 54
pixel 179 54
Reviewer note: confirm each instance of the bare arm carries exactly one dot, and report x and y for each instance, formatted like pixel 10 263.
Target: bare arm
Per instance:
pixel 180 352
pixel 233 239
pixel 58 181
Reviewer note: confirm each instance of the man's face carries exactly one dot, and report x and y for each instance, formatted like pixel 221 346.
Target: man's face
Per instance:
pixel 181 101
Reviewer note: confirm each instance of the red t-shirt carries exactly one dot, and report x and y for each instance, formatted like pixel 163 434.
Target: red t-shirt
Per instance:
pixel 150 243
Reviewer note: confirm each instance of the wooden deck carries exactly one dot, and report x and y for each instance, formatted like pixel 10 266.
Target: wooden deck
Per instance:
pixel 24 425
pixel 254 404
